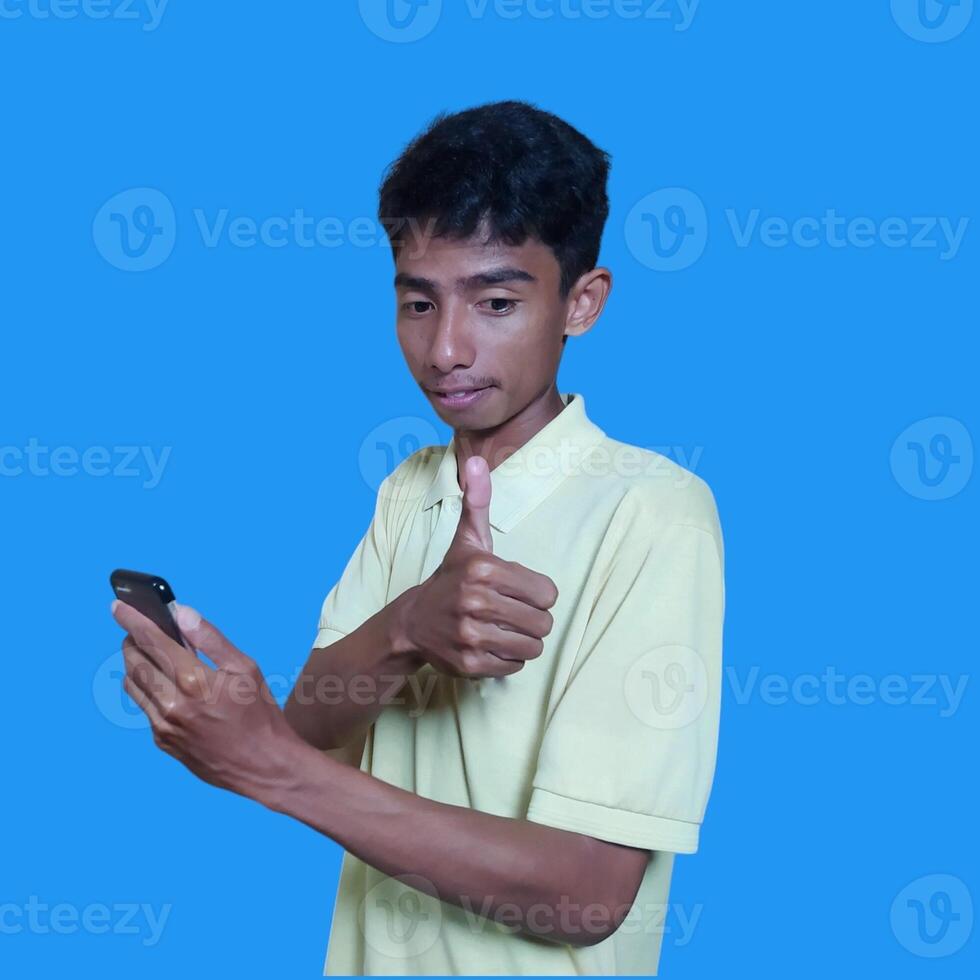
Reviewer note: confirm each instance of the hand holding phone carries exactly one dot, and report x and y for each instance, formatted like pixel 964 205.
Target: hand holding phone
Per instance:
pixel 152 596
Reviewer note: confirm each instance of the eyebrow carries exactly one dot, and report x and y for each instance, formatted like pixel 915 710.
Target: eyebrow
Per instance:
pixel 489 277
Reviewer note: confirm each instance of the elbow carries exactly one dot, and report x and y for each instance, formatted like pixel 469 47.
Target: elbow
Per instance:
pixel 598 922
pixel 591 897
pixel 577 922
pixel 609 877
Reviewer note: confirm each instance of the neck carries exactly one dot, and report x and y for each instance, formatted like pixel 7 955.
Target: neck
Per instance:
pixel 502 441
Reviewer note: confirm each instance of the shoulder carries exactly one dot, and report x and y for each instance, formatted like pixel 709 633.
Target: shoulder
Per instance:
pixel 414 466
pixel 405 487
pixel 655 491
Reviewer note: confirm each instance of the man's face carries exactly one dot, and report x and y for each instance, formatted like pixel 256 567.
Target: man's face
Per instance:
pixel 474 316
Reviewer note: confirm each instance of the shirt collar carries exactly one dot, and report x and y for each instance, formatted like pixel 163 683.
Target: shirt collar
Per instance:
pixel 526 477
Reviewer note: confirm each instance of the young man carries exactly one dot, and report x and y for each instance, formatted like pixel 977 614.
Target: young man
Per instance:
pixel 509 717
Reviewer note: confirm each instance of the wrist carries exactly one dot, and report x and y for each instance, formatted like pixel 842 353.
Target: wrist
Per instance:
pixel 404 653
pixel 313 790
pixel 293 755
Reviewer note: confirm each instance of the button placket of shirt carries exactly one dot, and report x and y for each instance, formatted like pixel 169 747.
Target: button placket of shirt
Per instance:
pixel 442 535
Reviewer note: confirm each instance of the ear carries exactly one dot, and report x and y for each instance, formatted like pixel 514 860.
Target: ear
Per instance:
pixel 586 300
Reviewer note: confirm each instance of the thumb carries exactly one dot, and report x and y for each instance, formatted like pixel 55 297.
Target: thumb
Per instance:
pixel 207 638
pixel 474 521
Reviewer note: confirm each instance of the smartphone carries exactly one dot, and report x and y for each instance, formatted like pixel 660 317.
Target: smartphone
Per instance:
pixel 152 596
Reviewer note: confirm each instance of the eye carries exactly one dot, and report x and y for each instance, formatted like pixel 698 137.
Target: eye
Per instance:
pixel 416 306
pixel 501 304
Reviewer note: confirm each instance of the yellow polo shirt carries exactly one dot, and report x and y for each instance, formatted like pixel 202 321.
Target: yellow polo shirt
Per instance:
pixel 611 732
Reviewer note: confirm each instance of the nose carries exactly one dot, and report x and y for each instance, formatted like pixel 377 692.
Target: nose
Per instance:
pixel 451 346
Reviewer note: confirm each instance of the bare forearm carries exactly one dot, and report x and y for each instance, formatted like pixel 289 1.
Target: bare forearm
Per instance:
pixel 545 882
pixel 344 687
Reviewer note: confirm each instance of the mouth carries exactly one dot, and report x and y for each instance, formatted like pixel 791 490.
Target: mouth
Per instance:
pixel 459 398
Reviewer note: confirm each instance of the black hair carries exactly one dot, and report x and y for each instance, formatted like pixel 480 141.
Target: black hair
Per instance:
pixel 507 166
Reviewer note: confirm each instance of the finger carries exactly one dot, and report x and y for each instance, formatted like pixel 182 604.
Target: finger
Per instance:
pixel 489 665
pixel 145 674
pixel 207 638
pixel 506 644
pixel 510 578
pixel 144 701
pixel 474 520
pixel 167 654
pixel 516 615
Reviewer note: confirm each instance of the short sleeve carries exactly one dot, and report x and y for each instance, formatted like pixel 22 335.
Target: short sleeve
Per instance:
pixel 628 754
pixel 362 589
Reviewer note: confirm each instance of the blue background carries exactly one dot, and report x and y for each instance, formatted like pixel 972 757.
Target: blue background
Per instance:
pixel 265 370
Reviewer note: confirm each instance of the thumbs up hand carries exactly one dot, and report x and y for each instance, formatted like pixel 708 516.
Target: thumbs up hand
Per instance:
pixel 473 530
pixel 477 615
